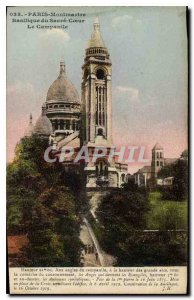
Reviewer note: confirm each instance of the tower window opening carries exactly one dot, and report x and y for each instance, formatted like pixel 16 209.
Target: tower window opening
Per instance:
pixel 123 177
pixel 61 124
pixel 102 169
pixel 73 125
pixel 158 163
pixel 96 170
pixel 100 119
pixel 67 124
pixel 103 119
pixel 100 106
pixel 160 154
pixel 100 74
pixel 56 124
pixel 100 132
pixel 106 171
pixel 96 105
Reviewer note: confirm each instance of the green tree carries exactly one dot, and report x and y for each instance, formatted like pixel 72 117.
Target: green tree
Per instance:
pixel 42 203
pixel 180 183
pixel 179 172
pixel 120 213
pixel 122 231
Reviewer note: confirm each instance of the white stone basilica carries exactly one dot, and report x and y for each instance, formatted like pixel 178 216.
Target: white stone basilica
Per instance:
pixel 67 121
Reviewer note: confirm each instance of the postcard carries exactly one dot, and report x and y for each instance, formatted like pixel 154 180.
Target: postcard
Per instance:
pixel 97 150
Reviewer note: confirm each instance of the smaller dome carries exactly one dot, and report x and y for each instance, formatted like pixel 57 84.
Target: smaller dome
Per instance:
pixel 43 125
pixel 30 128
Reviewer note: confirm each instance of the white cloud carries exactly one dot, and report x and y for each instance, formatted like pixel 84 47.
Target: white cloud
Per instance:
pixel 58 33
pixel 121 19
pixel 132 92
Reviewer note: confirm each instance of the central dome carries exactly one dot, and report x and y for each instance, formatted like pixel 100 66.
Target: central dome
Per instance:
pixel 62 88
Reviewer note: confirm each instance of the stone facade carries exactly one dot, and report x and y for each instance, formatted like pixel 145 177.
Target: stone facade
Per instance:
pixel 157 159
pixel 89 123
pixel 96 112
pixel 63 106
pixel 148 175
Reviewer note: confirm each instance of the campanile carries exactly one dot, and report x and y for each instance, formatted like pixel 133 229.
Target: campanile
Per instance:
pixel 96 91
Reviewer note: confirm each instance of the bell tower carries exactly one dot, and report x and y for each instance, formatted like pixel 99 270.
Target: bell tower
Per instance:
pixel 96 91
pixel 157 159
pixel 96 114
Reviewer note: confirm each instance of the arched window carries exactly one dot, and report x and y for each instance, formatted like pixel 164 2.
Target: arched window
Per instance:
pixel 123 177
pixel 56 124
pixel 100 74
pixel 102 168
pixel 61 124
pixel 73 124
pixel 100 132
pixel 100 105
pixel 67 124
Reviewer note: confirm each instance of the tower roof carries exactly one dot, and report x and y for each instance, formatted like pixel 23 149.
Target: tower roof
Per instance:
pixel 30 128
pixel 43 125
pixel 158 147
pixel 96 38
pixel 62 88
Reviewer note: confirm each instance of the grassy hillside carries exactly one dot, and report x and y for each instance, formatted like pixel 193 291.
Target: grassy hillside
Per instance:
pixel 166 214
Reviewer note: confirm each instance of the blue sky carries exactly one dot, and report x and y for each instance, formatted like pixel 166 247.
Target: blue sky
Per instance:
pixel 148 49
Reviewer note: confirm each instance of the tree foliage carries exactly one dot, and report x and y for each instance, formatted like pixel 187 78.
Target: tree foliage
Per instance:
pixel 123 222
pixel 179 172
pixel 120 213
pixel 42 203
